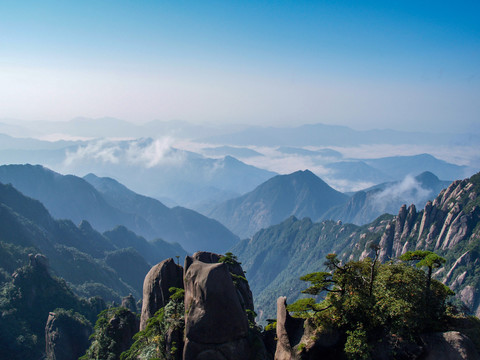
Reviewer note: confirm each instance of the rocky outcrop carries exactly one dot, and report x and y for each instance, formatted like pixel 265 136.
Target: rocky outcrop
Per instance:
pixel 448 224
pixel 66 336
pixel 121 328
pixel 156 295
pixel 450 345
pixel 38 261
pixel 128 302
pixel 289 332
pixel 216 325
pixel 243 289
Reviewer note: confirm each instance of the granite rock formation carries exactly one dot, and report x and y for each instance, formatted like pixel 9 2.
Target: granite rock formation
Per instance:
pixel 156 295
pixel 216 324
pixel 66 337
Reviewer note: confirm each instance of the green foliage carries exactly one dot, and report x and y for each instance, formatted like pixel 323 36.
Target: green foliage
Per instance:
pixel 365 299
pixel 150 343
pixel 425 258
pixel 356 345
pixel 271 325
pixel 109 334
pixel 229 259
pixel 321 281
pixel 25 304
pixel 177 294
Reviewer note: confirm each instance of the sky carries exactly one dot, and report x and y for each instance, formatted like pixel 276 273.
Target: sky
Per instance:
pixel 405 65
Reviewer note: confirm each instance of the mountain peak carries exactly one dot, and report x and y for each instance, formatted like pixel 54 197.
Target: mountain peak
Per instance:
pixel 302 194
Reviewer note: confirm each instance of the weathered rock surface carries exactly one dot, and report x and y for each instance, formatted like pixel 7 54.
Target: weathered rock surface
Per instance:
pixel 66 338
pixel 243 289
pixel 128 302
pixel 121 328
pixel 159 279
pixel 289 332
pixel 450 345
pixel 448 224
pixel 216 325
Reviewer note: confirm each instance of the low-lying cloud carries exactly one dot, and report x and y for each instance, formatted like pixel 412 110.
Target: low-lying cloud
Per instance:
pixel 408 191
pixel 145 153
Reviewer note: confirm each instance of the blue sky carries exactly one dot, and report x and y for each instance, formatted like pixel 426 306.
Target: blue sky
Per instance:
pixel 365 64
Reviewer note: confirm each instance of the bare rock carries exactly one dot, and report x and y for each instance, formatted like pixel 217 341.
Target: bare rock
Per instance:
pixel 159 279
pixel 216 325
pixel 289 332
pixel 38 261
pixel 128 302
pixel 65 337
pixel 450 345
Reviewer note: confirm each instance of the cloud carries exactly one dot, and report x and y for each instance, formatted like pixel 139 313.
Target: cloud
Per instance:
pixel 146 153
pixel 408 191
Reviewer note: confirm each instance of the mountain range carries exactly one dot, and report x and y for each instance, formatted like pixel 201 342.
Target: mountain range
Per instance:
pixel 275 257
pixel 331 135
pixel 366 205
pixel 301 193
pixel 93 263
pixel 107 204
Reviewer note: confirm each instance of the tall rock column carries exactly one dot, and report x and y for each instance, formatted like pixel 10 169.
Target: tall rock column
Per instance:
pixel 159 279
pixel 216 325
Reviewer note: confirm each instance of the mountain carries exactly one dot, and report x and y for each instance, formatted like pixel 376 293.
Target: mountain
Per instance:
pixel 329 135
pixel 374 171
pixel 301 193
pixel 357 171
pixel 113 127
pixel 400 166
pixel 326 153
pixel 187 227
pixel 71 197
pixel 366 205
pixel 154 168
pixel 238 152
pixel 275 258
pixel 79 254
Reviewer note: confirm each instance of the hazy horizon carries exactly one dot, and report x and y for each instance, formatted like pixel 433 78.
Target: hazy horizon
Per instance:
pixel 402 66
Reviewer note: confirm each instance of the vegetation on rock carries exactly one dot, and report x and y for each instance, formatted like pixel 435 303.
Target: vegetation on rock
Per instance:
pixel 396 307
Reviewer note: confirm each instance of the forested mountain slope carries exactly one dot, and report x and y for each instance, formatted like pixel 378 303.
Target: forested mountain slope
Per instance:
pixel 450 225
pixel 301 194
pixel 112 204
pixel 90 261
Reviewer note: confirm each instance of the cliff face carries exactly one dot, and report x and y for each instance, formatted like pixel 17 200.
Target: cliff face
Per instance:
pixel 217 321
pixel 449 226
pixel 276 257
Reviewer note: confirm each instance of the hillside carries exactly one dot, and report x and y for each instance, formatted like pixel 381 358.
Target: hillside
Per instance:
pixel 91 262
pixel 276 257
pixel 301 194
pixel 112 204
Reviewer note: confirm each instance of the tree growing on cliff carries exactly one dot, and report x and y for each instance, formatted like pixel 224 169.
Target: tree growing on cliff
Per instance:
pixel 376 298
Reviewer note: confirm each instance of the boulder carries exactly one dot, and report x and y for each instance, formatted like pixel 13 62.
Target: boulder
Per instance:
pixel 159 279
pixel 451 345
pixel 66 337
pixel 243 288
pixel 216 325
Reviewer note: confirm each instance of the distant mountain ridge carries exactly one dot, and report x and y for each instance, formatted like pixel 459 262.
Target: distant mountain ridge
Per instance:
pixel 79 254
pixel 301 193
pixel 366 205
pixel 71 197
pixel 330 135
pixel 275 257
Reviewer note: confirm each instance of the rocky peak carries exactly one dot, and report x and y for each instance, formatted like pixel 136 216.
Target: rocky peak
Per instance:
pixel 159 279
pixel 38 261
